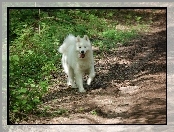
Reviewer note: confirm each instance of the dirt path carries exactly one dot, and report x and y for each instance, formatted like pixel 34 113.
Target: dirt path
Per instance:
pixel 129 88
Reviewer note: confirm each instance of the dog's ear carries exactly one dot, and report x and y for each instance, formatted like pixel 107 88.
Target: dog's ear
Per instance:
pixel 86 37
pixel 78 38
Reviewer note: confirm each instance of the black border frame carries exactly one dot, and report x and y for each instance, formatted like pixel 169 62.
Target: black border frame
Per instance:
pixel 8 8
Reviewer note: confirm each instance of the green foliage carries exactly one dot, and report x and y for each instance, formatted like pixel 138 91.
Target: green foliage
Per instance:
pixel 33 52
pixel 112 37
pixel 119 35
pixel 61 111
pixel 93 112
pixel 46 112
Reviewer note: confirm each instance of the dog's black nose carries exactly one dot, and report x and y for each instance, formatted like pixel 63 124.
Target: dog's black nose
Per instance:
pixel 82 52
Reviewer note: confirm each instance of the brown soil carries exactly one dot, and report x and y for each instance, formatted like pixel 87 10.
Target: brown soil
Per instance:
pixel 129 87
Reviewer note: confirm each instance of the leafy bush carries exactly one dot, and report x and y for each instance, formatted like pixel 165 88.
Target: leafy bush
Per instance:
pixel 30 68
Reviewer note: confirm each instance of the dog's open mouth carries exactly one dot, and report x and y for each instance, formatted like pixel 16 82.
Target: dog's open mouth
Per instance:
pixel 82 55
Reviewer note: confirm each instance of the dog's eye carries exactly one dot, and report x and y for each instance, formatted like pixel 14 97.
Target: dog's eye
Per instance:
pixel 79 47
pixel 85 47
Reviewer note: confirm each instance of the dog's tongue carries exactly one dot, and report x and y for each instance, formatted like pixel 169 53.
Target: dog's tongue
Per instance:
pixel 82 55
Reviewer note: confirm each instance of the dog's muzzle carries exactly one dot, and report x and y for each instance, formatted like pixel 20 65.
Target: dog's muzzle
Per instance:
pixel 82 54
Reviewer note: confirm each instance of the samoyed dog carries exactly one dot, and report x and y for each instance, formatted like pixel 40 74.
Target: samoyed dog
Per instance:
pixel 77 60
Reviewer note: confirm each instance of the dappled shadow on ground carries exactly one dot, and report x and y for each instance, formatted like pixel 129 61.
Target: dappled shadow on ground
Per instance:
pixel 140 58
pixel 129 87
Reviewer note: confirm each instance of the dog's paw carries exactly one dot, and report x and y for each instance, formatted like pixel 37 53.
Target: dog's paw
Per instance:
pixel 74 86
pixel 89 81
pixel 68 83
pixel 82 90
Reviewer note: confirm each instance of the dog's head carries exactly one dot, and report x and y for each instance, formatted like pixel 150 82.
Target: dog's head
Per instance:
pixel 83 45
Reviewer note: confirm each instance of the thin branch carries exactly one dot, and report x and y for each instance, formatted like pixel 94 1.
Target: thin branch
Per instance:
pixel 39 23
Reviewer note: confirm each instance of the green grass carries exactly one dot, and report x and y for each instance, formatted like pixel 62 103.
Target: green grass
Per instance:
pixel 34 56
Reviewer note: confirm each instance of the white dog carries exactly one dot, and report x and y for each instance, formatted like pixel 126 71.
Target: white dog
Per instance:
pixel 77 59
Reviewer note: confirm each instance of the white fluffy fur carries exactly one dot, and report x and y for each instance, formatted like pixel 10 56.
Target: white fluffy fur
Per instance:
pixel 77 59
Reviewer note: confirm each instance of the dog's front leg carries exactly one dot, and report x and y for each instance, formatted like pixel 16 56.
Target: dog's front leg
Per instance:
pixel 79 82
pixel 70 81
pixel 91 75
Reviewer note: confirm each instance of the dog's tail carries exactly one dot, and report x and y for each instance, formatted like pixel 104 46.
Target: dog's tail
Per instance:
pixel 69 39
pixel 62 48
